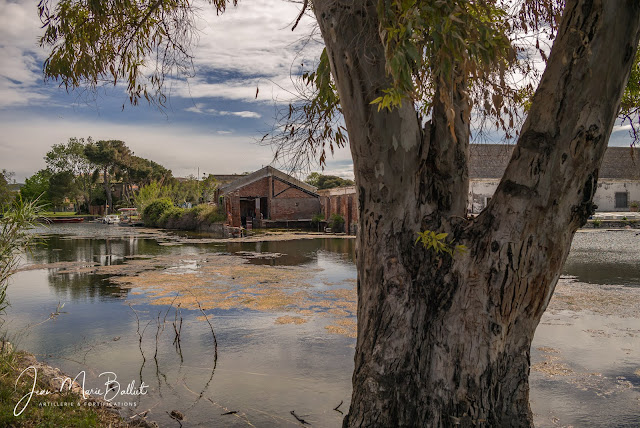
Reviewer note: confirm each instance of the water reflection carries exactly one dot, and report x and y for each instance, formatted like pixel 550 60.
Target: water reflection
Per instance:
pixel 266 370
pixel 605 257
pixel 298 252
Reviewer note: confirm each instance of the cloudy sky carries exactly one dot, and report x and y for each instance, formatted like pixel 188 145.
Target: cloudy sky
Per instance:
pixel 212 120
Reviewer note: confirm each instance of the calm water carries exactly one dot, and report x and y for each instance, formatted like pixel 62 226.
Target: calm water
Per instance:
pixel 265 370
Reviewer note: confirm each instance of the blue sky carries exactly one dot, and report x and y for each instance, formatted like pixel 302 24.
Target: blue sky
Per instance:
pixel 212 120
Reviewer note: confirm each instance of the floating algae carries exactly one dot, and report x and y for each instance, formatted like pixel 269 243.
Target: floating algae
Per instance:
pixel 610 300
pixel 551 365
pixel 345 327
pixel 288 319
pixel 228 281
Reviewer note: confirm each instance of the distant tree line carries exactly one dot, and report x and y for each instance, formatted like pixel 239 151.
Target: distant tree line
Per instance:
pixel 86 173
pixel 322 181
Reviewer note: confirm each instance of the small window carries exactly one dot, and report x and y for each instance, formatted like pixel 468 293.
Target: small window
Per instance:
pixel 621 200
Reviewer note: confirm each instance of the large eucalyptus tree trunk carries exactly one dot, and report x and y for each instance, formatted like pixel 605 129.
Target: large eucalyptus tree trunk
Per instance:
pixel 445 340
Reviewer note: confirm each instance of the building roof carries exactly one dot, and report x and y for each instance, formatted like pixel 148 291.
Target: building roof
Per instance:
pixel 227 178
pixel 266 172
pixel 490 161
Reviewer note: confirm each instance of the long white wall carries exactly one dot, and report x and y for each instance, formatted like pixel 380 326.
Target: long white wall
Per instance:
pixel 605 195
pixel 482 190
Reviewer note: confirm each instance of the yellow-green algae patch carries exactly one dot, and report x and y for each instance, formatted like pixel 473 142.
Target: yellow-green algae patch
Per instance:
pixel 345 327
pixel 288 319
pixel 224 281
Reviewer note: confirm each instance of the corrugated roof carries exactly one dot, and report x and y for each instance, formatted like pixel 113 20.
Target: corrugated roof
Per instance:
pixel 490 161
pixel 266 172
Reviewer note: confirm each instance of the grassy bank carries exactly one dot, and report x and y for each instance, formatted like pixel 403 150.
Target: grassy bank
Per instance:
pixel 57 409
pixel 162 213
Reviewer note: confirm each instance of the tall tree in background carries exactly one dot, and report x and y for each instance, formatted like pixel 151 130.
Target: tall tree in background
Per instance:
pixel 63 189
pixel 443 336
pixel 37 187
pixel 142 172
pixel 71 158
pixel 111 158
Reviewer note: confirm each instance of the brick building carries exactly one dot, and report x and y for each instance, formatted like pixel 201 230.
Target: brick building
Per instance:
pixel 268 197
pixel 343 201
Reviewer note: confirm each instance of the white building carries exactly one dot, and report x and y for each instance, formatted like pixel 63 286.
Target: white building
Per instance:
pixel 618 180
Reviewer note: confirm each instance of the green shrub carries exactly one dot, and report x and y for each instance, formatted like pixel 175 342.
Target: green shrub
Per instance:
pixel 171 217
pixel 596 223
pixel 162 213
pixel 336 222
pixel 216 215
pixel 154 211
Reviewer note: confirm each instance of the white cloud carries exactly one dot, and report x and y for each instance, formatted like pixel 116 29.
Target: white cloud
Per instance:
pixel 200 109
pixel 619 128
pixel 245 114
pixel 20 74
pixel 253 38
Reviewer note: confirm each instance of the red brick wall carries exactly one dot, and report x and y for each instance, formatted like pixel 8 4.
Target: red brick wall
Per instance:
pixel 294 208
pixel 290 204
pixel 283 190
pixel 257 188
pixel 344 204
pixel 232 210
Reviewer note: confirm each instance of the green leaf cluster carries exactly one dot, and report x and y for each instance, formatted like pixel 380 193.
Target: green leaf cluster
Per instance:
pixel 437 242
pixel 630 104
pixel 6 193
pixel 440 46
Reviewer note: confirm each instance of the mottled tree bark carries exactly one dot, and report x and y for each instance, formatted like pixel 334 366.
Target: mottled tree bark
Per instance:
pixel 445 341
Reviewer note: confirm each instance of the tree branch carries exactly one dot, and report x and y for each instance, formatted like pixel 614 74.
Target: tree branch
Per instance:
pixel 304 8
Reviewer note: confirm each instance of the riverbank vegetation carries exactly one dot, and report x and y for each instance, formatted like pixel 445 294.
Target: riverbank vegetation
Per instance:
pixel 14 239
pixel 58 409
pixel 164 214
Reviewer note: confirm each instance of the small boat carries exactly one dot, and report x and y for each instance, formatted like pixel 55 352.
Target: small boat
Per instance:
pixel 65 219
pixel 111 219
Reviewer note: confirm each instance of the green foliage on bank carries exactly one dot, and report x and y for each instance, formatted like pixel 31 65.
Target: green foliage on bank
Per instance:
pixel 14 239
pixel 152 213
pixel 164 214
pixel 336 223
pixel 42 410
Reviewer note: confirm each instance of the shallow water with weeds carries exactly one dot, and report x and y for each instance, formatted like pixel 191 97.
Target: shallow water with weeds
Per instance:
pixel 138 303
